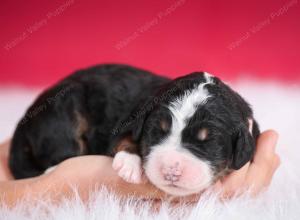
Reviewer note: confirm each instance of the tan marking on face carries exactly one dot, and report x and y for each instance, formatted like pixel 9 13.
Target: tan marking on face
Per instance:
pixel 202 134
pixel 250 124
pixel 165 126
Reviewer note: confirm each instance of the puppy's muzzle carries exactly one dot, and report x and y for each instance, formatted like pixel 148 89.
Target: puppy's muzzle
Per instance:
pixel 172 173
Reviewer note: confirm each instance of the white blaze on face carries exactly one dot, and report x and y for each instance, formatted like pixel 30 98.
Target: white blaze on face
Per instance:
pixel 171 167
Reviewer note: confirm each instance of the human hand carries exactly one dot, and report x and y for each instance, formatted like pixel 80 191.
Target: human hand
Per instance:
pixel 94 171
pixel 256 175
pixel 88 172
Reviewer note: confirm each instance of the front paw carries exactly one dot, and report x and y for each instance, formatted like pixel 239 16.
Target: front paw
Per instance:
pixel 128 166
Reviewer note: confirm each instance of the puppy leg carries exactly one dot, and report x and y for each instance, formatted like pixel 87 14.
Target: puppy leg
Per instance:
pixel 127 163
pixel 128 166
pixel 55 133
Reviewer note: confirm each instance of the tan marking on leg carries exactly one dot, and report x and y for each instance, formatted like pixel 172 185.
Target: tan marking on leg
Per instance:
pixel 81 128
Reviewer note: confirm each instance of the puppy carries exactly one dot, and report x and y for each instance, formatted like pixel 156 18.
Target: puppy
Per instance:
pixel 184 134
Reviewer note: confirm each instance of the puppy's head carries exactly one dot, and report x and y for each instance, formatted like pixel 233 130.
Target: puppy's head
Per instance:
pixel 196 130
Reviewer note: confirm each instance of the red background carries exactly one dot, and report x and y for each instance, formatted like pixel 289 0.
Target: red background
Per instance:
pixel 191 35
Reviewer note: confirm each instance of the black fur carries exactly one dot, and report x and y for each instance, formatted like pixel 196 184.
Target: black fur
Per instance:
pixel 229 144
pixel 90 111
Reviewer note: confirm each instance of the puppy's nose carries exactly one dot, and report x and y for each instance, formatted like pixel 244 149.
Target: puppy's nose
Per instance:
pixel 172 173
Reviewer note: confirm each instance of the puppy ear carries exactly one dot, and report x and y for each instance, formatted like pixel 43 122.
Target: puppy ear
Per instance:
pixel 243 147
pixel 132 124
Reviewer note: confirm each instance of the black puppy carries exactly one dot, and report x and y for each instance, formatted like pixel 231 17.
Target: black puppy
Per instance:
pixel 185 133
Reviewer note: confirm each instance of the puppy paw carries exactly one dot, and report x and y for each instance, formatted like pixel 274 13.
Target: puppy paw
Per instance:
pixel 128 166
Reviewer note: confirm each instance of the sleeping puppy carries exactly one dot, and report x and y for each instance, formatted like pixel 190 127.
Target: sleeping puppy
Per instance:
pixel 194 131
pixel 184 134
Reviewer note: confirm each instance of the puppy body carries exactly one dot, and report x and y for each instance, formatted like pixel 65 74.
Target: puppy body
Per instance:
pixel 77 116
pixel 185 133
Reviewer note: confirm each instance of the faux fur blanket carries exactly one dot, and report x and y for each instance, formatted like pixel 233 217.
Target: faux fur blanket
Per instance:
pixel 275 106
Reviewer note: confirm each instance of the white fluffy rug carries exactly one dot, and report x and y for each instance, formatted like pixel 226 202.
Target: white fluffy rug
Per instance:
pixel 276 106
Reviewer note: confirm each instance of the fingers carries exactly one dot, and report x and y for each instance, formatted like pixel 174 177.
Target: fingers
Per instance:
pixel 276 161
pixel 264 164
pixel 265 159
pixel 5 173
pixel 273 168
pixel 255 176
pixel 265 148
pixel 237 176
pixel 231 183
